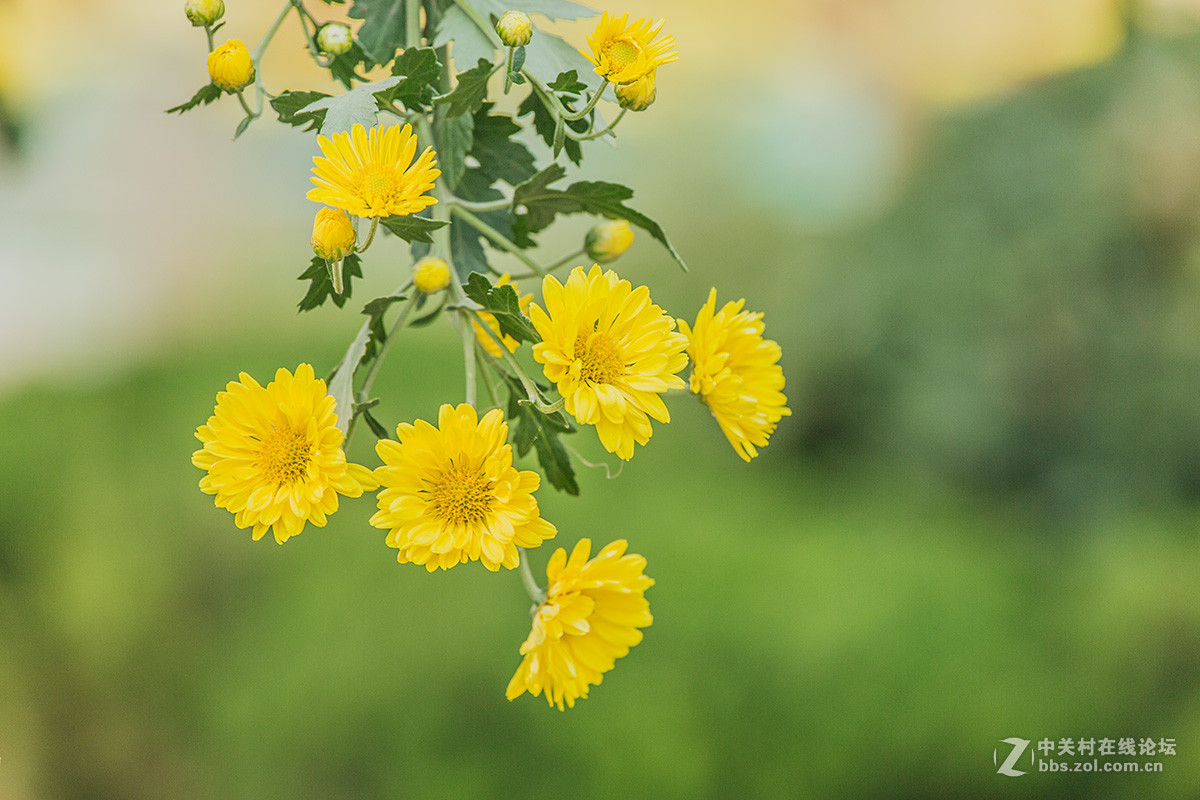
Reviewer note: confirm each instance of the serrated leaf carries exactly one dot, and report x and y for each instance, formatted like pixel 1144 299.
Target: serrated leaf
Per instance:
pixel 206 94
pixel 383 29
pixel 544 125
pixel 420 68
pixel 470 43
pixel 345 66
pixel 541 431
pixel 454 137
pixel 503 303
pixel 470 91
pixel 321 287
pixel 542 203
pixel 412 228
pixel 341 383
pixel 568 83
pixel 375 311
pixel 499 155
pixel 356 106
pixel 288 105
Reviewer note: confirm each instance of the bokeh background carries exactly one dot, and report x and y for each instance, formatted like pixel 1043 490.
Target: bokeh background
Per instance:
pixel 972 226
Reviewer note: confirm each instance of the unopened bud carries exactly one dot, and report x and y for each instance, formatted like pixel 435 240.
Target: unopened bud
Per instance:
pixel 608 240
pixel 637 96
pixel 431 274
pixel 230 66
pixel 335 38
pixel 333 236
pixel 515 29
pixel 204 13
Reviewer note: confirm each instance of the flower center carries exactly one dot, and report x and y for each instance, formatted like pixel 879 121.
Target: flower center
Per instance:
pixel 460 495
pixel 285 455
pixel 377 184
pixel 600 360
pixel 621 53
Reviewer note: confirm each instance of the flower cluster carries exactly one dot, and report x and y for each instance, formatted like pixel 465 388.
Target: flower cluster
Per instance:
pixel 588 350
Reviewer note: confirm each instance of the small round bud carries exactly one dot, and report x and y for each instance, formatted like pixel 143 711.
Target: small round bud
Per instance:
pixel 230 66
pixel 333 236
pixel 204 13
pixel 608 240
pixel 515 29
pixel 637 96
pixel 431 274
pixel 335 38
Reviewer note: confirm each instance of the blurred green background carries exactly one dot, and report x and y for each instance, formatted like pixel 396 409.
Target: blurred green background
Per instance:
pixel 973 229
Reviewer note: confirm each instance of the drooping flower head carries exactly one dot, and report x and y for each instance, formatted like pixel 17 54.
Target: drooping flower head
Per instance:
pixel 611 352
pixel 230 67
pixel 639 95
pixel 274 455
pixel 373 174
pixel 489 344
pixel 624 51
pixel 451 494
pixel 591 617
pixel 736 372
pixel 333 236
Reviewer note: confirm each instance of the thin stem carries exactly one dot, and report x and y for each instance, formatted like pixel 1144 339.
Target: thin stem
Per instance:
pixel 535 592
pixel 508 62
pixel 257 55
pixel 531 390
pixel 467 332
pixel 497 237
pixel 246 106
pixel 365 389
pixel 480 352
pixel 370 236
pixel 484 205
pixel 556 106
pixel 208 31
pixel 583 137
pixel 562 262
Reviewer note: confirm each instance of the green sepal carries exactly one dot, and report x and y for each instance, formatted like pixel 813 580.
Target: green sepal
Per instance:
pixel 601 198
pixel 503 303
pixel 321 287
pixel 412 228
pixel 206 95
pixel 542 432
pixel 288 105
pixel 470 90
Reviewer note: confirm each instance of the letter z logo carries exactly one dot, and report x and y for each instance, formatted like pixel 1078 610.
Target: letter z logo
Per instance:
pixel 1018 749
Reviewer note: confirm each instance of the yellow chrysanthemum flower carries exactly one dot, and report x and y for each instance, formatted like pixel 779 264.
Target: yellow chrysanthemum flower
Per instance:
pixel 488 342
pixel 274 455
pixel 333 234
pixel 611 352
pixel 735 371
pixel 230 67
pixel 373 174
pixel 624 52
pixel 451 494
pixel 591 617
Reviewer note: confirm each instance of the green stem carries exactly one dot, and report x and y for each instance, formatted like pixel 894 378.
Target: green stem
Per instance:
pixel 556 106
pixel 365 389
pixel 583 137
pixel 531 390
pixel 257 55
pixel 497 237
pixel 535 592
pixel 483 355
pixel 246 106
pixel 370 236
pixel 208 32
pixel 486 205
pixel 562 262
pixel 508 62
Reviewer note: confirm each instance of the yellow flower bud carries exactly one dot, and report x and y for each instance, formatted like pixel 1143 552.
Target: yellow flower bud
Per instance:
pixel 230 66
pixel 333 235
pixel 204 12
pixel 431 274
pixel 608 240
pixel 637 96
pixel 515 29
pixel 335 38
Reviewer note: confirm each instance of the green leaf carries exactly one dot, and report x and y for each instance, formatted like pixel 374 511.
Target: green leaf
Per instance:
pixel 345 66
pixel 321 288
pixel 550 55
pixel 375 310
pixel 288 105
pixel 499 155
pixel 206 95
pixel 518 59
pixel 383 29
pixel 341 382
pixel 454 137
pixel 568 83
pixel 241 128
pixel 542 203
pixel 544 125
pixel 420 68
pixel 470 43
pixel 356 106
pixel 504 304
pixel 412 228
pixel 541 431
pixel 470 91
pixel 363 410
